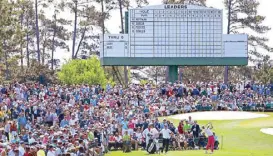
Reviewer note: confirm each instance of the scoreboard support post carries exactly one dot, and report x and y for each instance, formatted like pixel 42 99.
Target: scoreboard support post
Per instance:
pixel 173 73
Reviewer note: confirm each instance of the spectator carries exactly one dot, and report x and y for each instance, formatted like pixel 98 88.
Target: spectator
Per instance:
pixel 126 142
pixel 88 115
pixel 187 127
pixel 195 129
pixel 166 138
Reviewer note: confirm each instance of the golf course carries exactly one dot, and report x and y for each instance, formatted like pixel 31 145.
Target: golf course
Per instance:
pixel 236 137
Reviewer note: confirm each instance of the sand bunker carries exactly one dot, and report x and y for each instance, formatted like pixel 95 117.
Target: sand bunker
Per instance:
pixel 267 131
pixel 222 115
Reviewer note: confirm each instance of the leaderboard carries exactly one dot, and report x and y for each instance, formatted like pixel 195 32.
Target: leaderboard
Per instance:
pixel 175 31
pixel 114 45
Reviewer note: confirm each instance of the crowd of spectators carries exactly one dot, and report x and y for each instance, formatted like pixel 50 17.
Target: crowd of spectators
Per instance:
pixel 77 120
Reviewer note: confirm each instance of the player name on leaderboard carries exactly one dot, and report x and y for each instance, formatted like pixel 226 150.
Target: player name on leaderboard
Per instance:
pixel 175 31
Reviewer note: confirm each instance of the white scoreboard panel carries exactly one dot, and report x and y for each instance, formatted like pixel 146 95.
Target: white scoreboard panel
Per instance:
pixel 175 31
pixel 114 45
pixel 117 45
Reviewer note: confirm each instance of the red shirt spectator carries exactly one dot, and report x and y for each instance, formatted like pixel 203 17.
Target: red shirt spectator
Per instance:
pixel 112 138
pixel 180 128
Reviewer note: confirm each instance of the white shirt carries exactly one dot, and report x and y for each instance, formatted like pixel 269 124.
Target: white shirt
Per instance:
pixel 118 138
pixel 11 153
pixel 139 136
pixel 21 151
pixel 166 133
pixel 187 107
pixel 51 153
pixel 7 128
pixel 208 132
pixel 72 122
pixel 58 151
pixel 153 132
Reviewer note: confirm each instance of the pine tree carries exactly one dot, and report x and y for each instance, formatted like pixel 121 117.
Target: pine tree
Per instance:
pixel 9 32
pixel 56 33
pixel 86 20
pixel 244 17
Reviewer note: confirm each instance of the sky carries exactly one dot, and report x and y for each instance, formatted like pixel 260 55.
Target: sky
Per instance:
pixel 265 9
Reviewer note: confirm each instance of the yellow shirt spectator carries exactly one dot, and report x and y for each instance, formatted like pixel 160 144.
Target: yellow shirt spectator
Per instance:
pixel 41 153
pixel 126 137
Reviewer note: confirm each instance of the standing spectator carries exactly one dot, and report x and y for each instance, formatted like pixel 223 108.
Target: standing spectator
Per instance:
pixel 166 138
pixel 180 127
pixel 126 142
pixel 190 121
pixel 7 129
pixel 195 129
pixel 187 127
pixel 49 119
pixel 22 122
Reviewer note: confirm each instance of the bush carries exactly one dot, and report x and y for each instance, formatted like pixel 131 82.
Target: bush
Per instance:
pixel 83 72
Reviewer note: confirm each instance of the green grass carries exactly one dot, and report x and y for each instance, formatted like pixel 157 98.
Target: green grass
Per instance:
pixel 240 138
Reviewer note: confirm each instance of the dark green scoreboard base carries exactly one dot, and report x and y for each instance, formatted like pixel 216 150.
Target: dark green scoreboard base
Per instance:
pixel 174 62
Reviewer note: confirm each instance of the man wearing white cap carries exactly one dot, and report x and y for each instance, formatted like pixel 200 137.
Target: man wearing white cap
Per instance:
pixel 150 133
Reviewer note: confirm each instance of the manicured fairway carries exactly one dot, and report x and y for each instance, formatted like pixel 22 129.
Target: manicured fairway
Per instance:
pixel 240 138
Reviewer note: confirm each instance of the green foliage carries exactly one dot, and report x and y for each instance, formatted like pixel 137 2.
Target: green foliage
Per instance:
pixel 83 72
pixel 265 75
pixel 264 72
pixel 143 82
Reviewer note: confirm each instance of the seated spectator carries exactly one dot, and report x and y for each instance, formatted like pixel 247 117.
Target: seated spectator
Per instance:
pixel 216 143
pixel 202 140
pixel 187 108
pixel 182 141
pixel 118 138
pixel 140 138
pixel 112 142
pixel 175 141
pixel 134 141
pixel 190 140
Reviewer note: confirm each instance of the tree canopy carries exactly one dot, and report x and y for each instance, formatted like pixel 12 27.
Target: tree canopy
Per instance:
pixel 79 71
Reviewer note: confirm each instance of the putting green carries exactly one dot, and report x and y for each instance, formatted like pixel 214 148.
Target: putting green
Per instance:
pixel 240 138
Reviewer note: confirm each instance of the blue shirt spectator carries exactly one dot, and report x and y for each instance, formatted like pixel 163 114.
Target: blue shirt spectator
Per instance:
pixel 64 123
pixel 22 120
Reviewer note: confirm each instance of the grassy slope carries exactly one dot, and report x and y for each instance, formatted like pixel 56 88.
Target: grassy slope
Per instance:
pixel 240 138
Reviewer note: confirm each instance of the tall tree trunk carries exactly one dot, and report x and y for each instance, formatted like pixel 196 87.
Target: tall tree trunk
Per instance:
pixel 37 32
pixel 43 55
pixel 27 44
pixel 122 31
pixel 21 43
pixel 228 32
pixel 103 29
pixel 103 25
pixel 44 49
pixel 6 60
pixel 75 28
pixel 53 42
pixel 79 45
